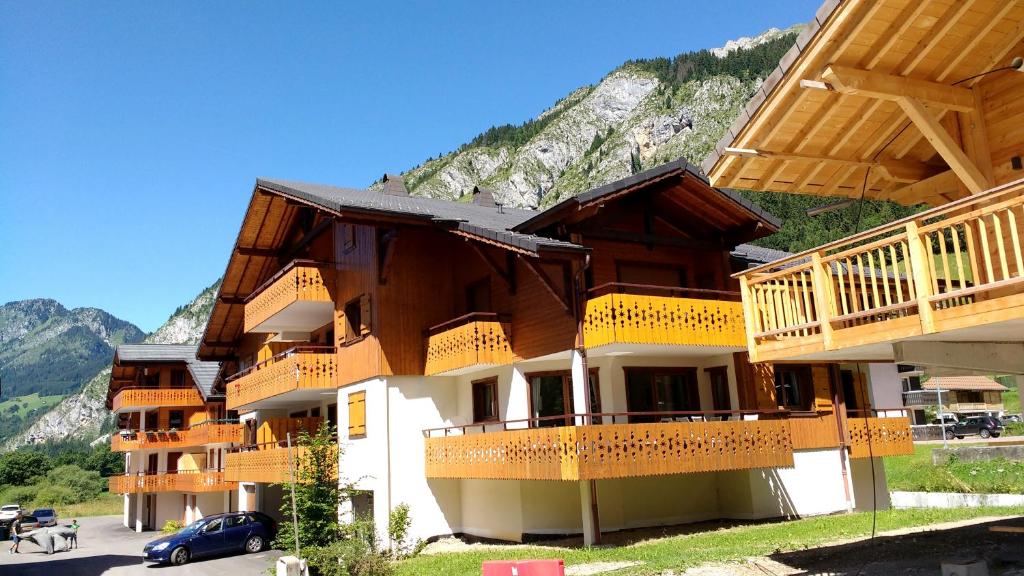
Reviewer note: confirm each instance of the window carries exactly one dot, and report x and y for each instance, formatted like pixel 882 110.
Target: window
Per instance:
pixel 478 296
pixel 357 415
pixel 594 384
pixel 233 521
pixel 176 419
pixel 151 420
pixel 212 526
pixel 332 415
pixel 357 318
pixel 299 414
pixel 151 380
pixel 485 400
pixel 178 378
pixel 793 387
pixel 719 377
pixel 550 395
pixel 661 390
pixel 314 412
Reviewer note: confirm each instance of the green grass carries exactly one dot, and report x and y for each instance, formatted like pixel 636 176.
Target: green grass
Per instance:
pixel 106 505
pixel 724 545
pixel 1011 398
pixel 916 473
pixel 24 405
pixel 954 274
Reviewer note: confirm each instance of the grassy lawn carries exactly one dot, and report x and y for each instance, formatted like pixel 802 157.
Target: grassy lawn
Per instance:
pixel 22 406
pixel 106 505
pixel 915 473
pixel 725 545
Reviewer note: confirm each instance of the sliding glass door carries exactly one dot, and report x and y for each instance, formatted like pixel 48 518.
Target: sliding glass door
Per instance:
pixel 661 390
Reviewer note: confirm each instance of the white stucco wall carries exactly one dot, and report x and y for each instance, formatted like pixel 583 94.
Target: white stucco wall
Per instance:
pixel 864 496
pixel 886 388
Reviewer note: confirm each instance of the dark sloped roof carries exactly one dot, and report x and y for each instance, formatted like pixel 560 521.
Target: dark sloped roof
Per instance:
pixel 203 373
pixel 486 222
pixel 759 254
pixel 658 172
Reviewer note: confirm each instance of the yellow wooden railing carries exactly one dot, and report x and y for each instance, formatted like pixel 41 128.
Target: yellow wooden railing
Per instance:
pixel 477 338
pixel 209 481
pixel 129 398
pixel 295 369
pixel 199 435
pixel 611 450
pixel 645 319
pixel 873 437
pixel 300 281
pixel 268 464
pixel 955 266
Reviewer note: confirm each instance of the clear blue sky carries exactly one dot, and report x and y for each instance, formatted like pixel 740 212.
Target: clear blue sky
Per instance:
pixel 131 133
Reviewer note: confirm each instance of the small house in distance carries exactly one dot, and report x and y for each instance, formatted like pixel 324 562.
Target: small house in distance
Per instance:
pixel 960 395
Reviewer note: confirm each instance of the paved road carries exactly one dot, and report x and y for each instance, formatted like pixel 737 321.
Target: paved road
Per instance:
pixel 109 549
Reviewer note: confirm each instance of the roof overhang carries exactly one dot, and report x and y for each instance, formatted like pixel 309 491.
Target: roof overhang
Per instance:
pixel 877 98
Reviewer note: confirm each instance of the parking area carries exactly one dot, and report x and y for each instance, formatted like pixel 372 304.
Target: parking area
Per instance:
pixel 107 548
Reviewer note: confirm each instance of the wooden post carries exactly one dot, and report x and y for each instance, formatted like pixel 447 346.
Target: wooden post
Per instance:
pixel 820 283
pixel 921 271
pixel 750 326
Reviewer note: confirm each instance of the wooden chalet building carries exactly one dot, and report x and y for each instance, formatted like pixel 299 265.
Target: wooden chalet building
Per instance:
pixel 912 101
pixel 174 431
pixel 511 372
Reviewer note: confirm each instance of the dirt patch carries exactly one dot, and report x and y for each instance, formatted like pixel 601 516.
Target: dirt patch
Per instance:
pixel 597 568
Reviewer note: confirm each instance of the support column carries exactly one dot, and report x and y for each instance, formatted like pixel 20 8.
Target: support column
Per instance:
pixel 580 394
pixel 588 508
pixel 140 509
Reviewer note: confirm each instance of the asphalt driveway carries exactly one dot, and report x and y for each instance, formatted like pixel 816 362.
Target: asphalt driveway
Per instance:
pixel 107 548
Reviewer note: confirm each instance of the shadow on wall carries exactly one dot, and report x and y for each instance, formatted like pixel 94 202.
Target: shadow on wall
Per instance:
pixel 917 553
pixel 782 503
pixel 69 565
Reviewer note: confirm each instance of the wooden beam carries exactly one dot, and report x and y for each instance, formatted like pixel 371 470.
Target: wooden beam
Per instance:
pixel 896 88
pixel 493 264
pixel 895 170
pixel 548 283
pixel 927 190
pixel 943 143
pixel 387 242
pixel 231 300
pixel 263 252
pixel 306 239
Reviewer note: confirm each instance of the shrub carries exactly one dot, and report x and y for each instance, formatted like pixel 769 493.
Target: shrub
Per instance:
pixel 23 467
pixel 51 495
pixel 317 494
pixel 1013 428
pixel 399 522
pixel 24 495
pixel 172 527
pixel 86 484
pixel 349 557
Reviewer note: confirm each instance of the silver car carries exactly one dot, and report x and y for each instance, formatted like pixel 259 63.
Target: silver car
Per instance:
pixel 46 517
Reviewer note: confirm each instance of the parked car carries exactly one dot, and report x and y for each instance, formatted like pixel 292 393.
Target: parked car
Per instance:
pixel 46 516
pixel 8 512
pixel 233 532
pixel 29 522
pixel 1012 418
pixel 948 419
pixel 984 426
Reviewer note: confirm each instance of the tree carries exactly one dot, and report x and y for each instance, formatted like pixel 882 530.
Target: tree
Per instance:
pixel 23 467
pixel 317 491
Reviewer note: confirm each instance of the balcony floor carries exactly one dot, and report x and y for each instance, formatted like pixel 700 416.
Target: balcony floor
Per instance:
pixel 299 316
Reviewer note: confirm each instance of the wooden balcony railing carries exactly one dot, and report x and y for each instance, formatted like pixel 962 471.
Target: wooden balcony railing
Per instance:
pixel 605 451
pixel 303 367
pixel 148 397
pixel 299 281
pixel 872 436
pixel 198 435
pixel 956 266
pixel 203 481
pixel 479 338
pixel 974 407
pixel 659 315
pixel 266 464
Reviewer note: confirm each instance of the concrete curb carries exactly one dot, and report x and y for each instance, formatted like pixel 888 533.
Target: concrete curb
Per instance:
pixel 952 500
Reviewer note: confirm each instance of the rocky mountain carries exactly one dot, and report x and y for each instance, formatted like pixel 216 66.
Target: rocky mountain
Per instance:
pixel 644 113
pixel 50 350
pixel 83 415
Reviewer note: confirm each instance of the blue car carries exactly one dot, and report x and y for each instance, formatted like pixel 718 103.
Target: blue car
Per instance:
pixel 233 532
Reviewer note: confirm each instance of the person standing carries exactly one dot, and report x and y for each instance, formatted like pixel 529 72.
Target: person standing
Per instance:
pixel 15 530
pixel 74 537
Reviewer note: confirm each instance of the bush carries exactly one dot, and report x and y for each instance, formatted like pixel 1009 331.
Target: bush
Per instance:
pixel 86 484
pixel 24 495
pixel 350 557
pixel 399 522
pixel 1013 428
pixel 172 527
pixel 51 495
pixel 22 468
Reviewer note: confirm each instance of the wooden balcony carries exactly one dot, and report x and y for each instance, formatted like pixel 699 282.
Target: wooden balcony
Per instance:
pixel 199 435
pixel 192 482
pixel 141 398
pixel 954 273
pixel 267 464
pixel 296 299
pixel 974 407
pixel 477 339
pixel 663 316
pixel 611 450
pixel 874 437
pixel 304 368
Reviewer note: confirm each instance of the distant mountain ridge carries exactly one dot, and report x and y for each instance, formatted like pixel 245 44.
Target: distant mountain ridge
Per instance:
pixel 83 414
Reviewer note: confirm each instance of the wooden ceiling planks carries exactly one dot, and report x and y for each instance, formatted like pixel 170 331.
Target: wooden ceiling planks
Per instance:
pixel 934 40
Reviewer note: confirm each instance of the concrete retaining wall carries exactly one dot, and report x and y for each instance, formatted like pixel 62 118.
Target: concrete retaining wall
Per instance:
pixel 978 453
pixel 927 432
pixel 952 500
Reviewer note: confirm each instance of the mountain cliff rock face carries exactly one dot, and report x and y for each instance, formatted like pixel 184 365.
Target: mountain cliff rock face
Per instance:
pixel 84 415
pixel 634 118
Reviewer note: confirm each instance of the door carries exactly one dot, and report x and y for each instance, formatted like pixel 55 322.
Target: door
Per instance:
pixel 236 531
pixel 550 395
pixel 250 497
pixel 664 390
pixel 210 539
pixel 172 462
pixel 150 512
pixel 151 464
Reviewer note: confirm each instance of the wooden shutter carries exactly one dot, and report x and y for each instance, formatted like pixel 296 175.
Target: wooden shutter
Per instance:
pixel 364 315
pixel 357 414
pixel 764 386
pixel 822 388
